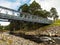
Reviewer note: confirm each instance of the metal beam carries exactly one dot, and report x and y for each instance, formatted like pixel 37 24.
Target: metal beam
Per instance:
pixel 6 13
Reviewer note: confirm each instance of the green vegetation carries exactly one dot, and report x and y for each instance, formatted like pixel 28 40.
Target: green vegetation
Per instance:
pixel 35 9
pixel 24 8
pixel 54 13
pixel 56 23
pixel 1 27
pixel 4 28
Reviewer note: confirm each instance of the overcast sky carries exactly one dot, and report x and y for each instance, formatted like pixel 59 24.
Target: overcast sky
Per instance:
pixel 45 4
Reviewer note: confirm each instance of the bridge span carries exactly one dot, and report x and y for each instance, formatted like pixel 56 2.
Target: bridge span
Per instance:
pixel 10 14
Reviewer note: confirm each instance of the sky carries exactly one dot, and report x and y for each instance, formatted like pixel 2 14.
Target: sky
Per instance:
pixel 15 4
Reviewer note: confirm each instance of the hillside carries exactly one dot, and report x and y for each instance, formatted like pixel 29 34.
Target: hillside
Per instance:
pixel 53 29
pixel 56 23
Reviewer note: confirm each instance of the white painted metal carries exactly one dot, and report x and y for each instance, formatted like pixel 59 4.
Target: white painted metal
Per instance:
pixel 15 15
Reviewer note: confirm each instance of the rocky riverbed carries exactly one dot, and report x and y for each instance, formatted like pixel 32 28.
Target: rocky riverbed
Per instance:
pixel 8 39
pixel 48 30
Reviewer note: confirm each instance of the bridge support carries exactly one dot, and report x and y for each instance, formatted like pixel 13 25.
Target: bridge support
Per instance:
pixel 23 25
pixel 11 26
pixel 14 25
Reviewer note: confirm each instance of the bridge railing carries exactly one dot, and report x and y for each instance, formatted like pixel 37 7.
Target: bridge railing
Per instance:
pixel 35 18
pixel 12 14
pixel 9 11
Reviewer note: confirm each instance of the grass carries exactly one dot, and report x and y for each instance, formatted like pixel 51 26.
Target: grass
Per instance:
pixel 44 28
pixel 55 23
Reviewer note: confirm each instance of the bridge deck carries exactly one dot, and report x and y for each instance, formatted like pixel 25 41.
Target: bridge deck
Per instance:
pixel 6 13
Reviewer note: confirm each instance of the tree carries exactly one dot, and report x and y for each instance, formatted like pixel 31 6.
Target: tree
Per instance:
pixel 39 13
pixel 54 13
pixel 34 7
pixel 42 13
pixel 46 13
pixel 24 8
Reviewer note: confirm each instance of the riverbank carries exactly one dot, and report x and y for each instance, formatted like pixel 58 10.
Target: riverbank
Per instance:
pixel 8 39
pixel 51 30
pixel 19 37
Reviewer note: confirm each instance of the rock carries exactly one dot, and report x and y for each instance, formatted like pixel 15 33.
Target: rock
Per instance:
pixel 14 40
pixel 51 31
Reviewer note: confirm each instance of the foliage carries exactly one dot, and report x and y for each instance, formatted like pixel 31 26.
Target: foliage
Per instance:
pixel 24 8
pixel 42 13
pixel 56 23
pixel 54 13
pixel 1 27
pixel 34 7
pixel 6 27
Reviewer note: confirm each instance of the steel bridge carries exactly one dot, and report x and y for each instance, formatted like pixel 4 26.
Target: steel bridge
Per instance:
pixel 10 14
